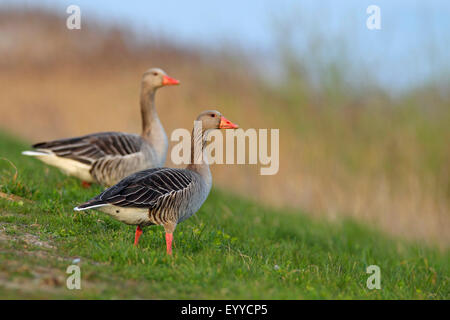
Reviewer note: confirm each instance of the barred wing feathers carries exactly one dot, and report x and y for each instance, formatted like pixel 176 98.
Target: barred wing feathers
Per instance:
pixel 90 148
pixel 146 189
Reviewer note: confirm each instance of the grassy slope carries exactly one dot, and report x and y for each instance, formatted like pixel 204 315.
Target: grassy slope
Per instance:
pixel 228 250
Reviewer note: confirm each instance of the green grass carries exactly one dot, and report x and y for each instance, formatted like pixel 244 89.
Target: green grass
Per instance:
pixel 231 249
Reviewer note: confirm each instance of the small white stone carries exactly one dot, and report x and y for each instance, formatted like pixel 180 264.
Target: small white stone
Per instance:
pixel 276 267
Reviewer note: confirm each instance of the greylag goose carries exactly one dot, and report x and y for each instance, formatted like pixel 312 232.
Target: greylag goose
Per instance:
pixel 163 196
pixel 108 157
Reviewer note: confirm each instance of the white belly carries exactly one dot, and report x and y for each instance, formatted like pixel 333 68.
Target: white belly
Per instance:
pixel 68 166
pixel 134 216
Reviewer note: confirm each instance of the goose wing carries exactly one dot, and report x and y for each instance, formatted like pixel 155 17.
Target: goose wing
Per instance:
pixel 90 148
pixel 145 189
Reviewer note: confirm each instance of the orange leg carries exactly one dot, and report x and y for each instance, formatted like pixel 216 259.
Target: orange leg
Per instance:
pixel 85 184
pixel 169 239
pixel 137 235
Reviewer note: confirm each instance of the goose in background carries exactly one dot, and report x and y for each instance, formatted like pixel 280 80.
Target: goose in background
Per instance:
pixel 163 196
pixel 108 157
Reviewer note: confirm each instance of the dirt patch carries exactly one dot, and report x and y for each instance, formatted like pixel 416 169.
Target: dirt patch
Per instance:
pixel 35 241
pixel 30 278
pixel 33 267
pixel 12 233
pixel 25 274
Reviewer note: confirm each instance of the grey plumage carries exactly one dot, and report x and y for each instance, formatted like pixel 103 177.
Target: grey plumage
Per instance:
pixel 108 157
pixel 170 195
pixel 162 196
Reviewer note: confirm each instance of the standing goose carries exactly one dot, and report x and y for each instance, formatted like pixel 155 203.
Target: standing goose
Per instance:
pixel 108 157
pixel 163 196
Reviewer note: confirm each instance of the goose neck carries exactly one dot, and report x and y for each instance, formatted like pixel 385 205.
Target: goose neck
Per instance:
pixel 152 130
pixel 148 111
pixel 199 161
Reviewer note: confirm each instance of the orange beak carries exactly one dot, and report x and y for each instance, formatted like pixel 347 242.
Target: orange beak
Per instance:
pixel 227 124
pixel 168 81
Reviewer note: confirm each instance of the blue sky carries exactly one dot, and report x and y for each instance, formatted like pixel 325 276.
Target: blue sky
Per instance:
pixel 414 41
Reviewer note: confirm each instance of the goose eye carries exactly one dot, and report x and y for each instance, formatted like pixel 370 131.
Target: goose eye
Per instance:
pixel 213 115
pixel 155 73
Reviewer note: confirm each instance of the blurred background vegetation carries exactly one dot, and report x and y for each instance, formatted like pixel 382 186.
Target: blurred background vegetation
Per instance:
pixel 350 144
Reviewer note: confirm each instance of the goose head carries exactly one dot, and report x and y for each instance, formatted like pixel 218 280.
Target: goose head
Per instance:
pixel 156 78
pixel 213 119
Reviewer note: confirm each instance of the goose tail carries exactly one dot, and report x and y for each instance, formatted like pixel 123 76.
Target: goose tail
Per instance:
pixel 34 153
pixel 91 204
